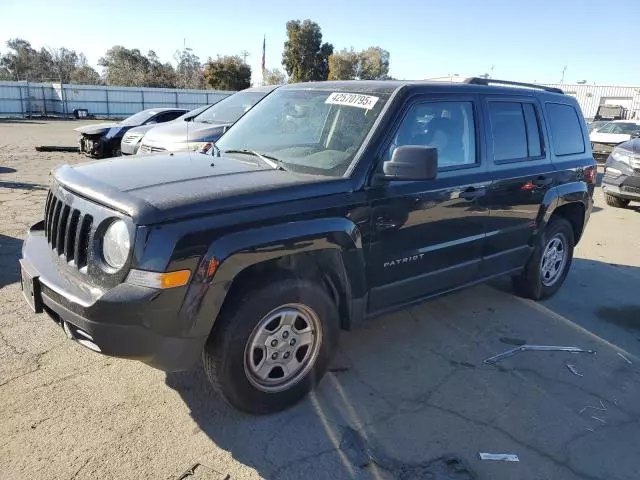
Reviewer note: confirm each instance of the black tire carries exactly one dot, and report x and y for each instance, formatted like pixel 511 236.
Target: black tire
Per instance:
pixel 529 283
pixel 615 201
pixel 224 353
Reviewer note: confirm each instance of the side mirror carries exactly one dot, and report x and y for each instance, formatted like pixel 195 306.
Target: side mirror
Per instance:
pixel 412 162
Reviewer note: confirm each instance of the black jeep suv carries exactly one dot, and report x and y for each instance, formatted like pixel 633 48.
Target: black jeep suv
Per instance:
pixel 326 204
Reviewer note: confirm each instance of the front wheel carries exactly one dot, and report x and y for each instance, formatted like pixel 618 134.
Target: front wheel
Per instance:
pixel 272 345
pixel 549 264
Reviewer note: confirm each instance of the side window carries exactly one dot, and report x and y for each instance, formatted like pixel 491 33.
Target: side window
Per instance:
pixel 566 134
pixel 165 117
pixel 447 126
pixel 533 130
pixel 171 116
pixel 515 131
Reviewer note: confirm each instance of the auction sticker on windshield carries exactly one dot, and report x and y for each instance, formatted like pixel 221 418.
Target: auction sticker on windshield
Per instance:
pixel 352 100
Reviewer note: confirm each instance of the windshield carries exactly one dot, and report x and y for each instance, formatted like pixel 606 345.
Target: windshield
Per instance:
pixel 622 128
pixel 138 118
pixel 312 131
pixel 231 108
pixel 597 125
pixel 193 113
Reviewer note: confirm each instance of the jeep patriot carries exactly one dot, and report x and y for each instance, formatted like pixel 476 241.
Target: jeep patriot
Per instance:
pixel 326 204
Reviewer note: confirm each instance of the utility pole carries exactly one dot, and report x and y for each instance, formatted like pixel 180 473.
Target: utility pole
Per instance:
pixel 563 70
pixel 244 54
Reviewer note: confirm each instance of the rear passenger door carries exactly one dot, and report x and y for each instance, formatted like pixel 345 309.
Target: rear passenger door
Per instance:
pixel 522 173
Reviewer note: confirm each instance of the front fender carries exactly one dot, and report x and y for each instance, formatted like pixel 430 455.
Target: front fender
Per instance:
pixel 231 254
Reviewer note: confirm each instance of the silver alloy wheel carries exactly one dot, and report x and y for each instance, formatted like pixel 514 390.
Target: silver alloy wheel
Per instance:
pixel 283 347
pixel 554 259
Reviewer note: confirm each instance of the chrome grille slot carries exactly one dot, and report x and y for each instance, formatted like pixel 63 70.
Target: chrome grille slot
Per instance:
pixel 70 235
pixel 82 241
pixel 68 231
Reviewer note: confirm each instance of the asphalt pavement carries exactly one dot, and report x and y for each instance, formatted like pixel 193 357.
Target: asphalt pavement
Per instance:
pixel 408 396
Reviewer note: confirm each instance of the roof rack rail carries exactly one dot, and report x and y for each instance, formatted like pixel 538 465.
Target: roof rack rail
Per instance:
pixel 491 81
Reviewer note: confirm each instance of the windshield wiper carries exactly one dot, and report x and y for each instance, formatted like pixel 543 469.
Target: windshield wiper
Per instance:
pixel 273 162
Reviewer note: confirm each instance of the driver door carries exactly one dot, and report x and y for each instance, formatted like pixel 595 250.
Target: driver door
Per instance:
pixel 427 237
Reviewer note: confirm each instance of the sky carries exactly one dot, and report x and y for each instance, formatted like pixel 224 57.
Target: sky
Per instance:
pixel 513 40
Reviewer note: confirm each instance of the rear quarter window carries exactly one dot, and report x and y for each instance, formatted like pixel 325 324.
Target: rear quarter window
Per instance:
pixel 566 133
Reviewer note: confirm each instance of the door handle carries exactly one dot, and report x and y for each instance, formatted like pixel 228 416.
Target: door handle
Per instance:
pixel 543 181
pixel 472 193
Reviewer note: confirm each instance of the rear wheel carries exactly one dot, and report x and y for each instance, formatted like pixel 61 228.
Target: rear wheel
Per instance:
pixel 549 264
pixel 615 201
pixel 272 345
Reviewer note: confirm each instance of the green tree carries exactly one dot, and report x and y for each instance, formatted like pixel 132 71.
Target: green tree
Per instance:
pixel 124 67
pixel 274 77
pixel 64 63
pixel 189 73
pixel 85 74
pixel 132 68
pixel 374 64
pixel 344 65
pixel 158 74
pixel 227 73
pixel 23 62
pixel 305 57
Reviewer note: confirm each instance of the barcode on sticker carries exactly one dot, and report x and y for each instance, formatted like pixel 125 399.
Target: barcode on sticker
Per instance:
pixel 352 100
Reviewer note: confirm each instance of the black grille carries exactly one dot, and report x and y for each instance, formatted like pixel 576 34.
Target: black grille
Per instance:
pixel 67 230
pixel 631 189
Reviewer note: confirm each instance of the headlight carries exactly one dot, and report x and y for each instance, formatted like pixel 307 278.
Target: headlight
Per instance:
pixel 196 145
pixel 624 156
pixel 116 245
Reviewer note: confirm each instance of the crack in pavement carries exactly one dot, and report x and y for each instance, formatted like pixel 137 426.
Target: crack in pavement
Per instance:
pixel 555 461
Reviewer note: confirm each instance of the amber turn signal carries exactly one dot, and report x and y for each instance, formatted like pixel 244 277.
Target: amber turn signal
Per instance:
pixel 159 279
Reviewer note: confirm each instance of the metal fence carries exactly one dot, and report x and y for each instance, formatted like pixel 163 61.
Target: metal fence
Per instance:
pixel 27 99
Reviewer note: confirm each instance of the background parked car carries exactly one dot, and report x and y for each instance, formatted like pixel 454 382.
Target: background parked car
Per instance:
pixel 604 140
pixel 206 127
pixel 621 181
pixel 597 125
pixel 132 139
pixel 103 140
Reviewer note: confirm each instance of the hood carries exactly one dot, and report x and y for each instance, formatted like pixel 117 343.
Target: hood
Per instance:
pixel 159 188
pixel 96 128
pixel 177 132
pixel 632 146
pixel 613 138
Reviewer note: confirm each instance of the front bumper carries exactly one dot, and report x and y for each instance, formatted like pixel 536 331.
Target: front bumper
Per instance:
pixel 125 321
pixel 624 186
pixel 131 147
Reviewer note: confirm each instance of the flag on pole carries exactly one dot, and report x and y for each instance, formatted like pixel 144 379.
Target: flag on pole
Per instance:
pixel 264 44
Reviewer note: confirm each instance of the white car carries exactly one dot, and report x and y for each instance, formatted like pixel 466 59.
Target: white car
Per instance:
pixel 605 139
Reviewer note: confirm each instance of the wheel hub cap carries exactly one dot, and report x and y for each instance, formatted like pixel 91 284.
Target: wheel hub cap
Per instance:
pixel 283 347
pixel 553 260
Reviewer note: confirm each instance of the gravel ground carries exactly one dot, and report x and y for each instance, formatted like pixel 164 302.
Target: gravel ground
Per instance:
pixel 408 396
